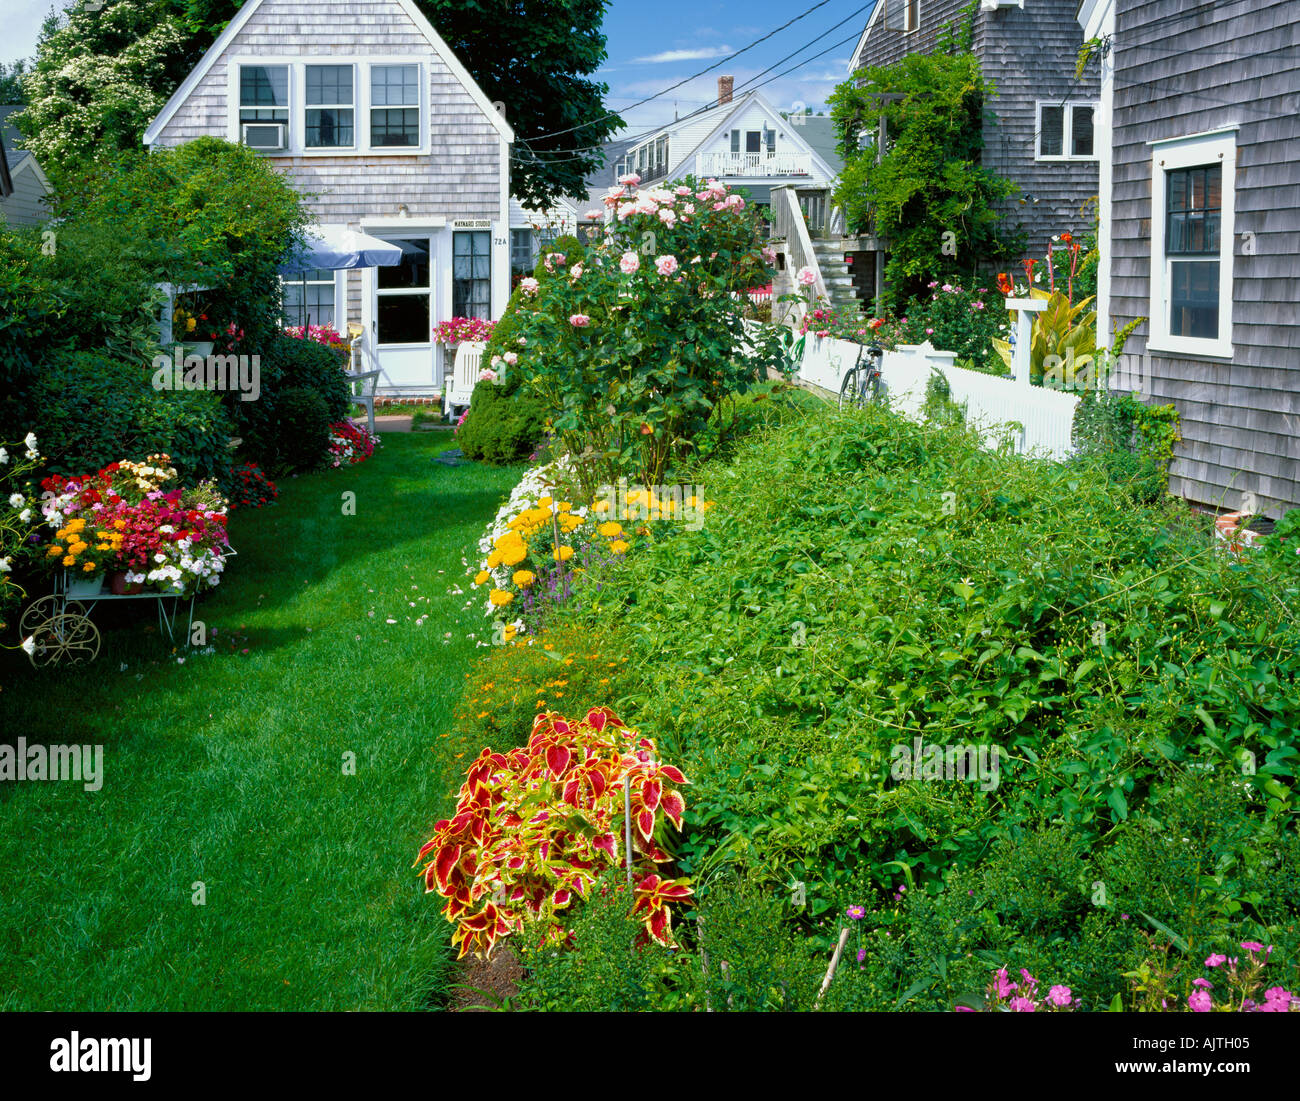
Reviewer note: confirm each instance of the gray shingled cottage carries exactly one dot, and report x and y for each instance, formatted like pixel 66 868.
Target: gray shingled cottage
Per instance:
pixel 362 103
pixel 1040 130
pixel 1201 232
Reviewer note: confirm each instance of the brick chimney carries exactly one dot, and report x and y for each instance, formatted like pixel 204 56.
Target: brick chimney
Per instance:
pixel 725 84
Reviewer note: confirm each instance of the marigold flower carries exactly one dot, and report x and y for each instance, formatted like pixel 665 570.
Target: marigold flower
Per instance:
pixel 619 546
pixel 481 577
pixel 610 530
pixel 563 554
pixel 524 578
pixel 500 597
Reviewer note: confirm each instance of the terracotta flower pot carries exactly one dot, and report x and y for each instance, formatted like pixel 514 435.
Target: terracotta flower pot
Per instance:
pixel 118 585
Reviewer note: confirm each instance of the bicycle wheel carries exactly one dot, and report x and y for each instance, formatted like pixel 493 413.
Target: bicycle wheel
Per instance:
pixel 851 390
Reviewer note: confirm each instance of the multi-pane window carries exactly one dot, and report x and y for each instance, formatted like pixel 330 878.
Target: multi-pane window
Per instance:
pixel 753 141
pixel 394 105
pixel 522 260
pixel 330 107
pixel 471 275
pixel 264 93
pixel 1193 214
pixel 309 298
pixel 1065 131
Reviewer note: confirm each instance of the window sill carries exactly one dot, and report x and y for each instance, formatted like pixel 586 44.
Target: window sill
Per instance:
pixel 1190 349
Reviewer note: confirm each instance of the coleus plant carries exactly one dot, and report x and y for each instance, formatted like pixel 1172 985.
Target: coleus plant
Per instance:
pixel 535 827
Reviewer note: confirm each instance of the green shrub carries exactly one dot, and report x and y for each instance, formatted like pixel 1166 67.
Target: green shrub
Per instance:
pixel 502 427
pixel 288 367
pixel 611 967
pixel 90 409
pixel 302 432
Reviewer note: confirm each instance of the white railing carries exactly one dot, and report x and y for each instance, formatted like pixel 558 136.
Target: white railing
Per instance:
pixel 753 164
pixel 1036 419
pixel 789 227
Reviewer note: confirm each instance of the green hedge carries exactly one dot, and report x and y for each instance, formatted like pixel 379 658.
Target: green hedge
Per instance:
pixel 89 409
pixel 502 427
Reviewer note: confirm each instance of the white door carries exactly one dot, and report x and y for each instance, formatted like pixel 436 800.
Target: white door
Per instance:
pixel 402 301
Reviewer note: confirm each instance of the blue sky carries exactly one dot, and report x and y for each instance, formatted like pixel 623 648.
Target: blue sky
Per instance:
pixel 654 46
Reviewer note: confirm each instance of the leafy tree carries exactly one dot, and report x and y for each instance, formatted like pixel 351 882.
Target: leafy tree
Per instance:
pixel 101 77
pixel 926 193
pixel 11 82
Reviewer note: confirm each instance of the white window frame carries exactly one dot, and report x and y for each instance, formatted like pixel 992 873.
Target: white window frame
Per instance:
pixel 356 123
pixel 910 24
pixel 1192 151
pixel 1067 130
pixel 295 146
pixel 338 280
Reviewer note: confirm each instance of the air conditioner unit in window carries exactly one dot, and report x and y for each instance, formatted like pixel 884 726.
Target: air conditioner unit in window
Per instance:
pixel 267 137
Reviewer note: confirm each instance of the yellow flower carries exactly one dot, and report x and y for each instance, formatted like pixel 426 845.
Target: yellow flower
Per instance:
pixel 564 506
pixel 545 503
pixel 53 552
pixel 514 555
pixel 619 546
pixel 481 577
pixel 510 631
pixel 610 530
pixel 633 496
pixel 524 578
pixel 601 506
pixel 70 560
pixel 500 597
pixel 89 567
pixel 77 547
pixel 494 560
pixel 563 554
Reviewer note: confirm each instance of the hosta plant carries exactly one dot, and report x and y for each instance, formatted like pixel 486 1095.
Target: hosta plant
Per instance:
pixel 534 828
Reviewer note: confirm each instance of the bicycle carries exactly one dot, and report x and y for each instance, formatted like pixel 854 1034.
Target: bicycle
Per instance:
pixel 862 383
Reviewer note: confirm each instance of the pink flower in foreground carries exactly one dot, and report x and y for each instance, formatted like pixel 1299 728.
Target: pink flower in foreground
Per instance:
pixel 511 358
pixel 1022 1005
pixel 528 285
pixel 629 262
pixel 1059 995
pixel 1001 984
pixel 806 277
pixel 1252 946
pixel 579 320
pixel 630 180
pixel 1215 960
pixel 666 265
pixel 1199 1002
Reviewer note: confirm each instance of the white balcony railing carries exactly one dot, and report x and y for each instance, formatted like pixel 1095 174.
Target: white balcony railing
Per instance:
pixel 754 164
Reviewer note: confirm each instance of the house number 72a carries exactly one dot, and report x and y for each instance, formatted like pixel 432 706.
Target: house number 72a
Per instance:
pixel 498 240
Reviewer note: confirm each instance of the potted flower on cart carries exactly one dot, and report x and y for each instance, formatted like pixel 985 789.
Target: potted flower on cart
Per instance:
pixel 132 526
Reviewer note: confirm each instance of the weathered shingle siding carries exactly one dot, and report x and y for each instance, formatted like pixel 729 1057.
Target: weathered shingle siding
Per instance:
pixel 1029 55
pixel 28 205
pixel 1182 70
pixel 461 178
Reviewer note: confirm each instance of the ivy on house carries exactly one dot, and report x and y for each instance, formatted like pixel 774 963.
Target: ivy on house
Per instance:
pixel 926 193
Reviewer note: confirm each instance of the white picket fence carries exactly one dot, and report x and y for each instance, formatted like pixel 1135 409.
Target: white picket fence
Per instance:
pixel 1036 420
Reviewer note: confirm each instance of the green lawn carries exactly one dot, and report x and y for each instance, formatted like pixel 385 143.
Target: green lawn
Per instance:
pixel 229 768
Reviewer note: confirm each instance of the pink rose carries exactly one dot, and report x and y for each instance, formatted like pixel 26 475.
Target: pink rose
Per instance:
pixel 666 265
pixel 629 263
pixel 806 277
pixel 579 320
pixel 528 285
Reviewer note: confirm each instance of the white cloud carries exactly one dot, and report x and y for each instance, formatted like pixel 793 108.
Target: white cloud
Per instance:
pixel 701 54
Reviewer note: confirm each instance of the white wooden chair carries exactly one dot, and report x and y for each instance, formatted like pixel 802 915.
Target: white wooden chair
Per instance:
pixel 362 384
pixel 458 386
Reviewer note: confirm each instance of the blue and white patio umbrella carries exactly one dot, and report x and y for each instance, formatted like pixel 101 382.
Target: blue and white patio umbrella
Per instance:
pixel 337 248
